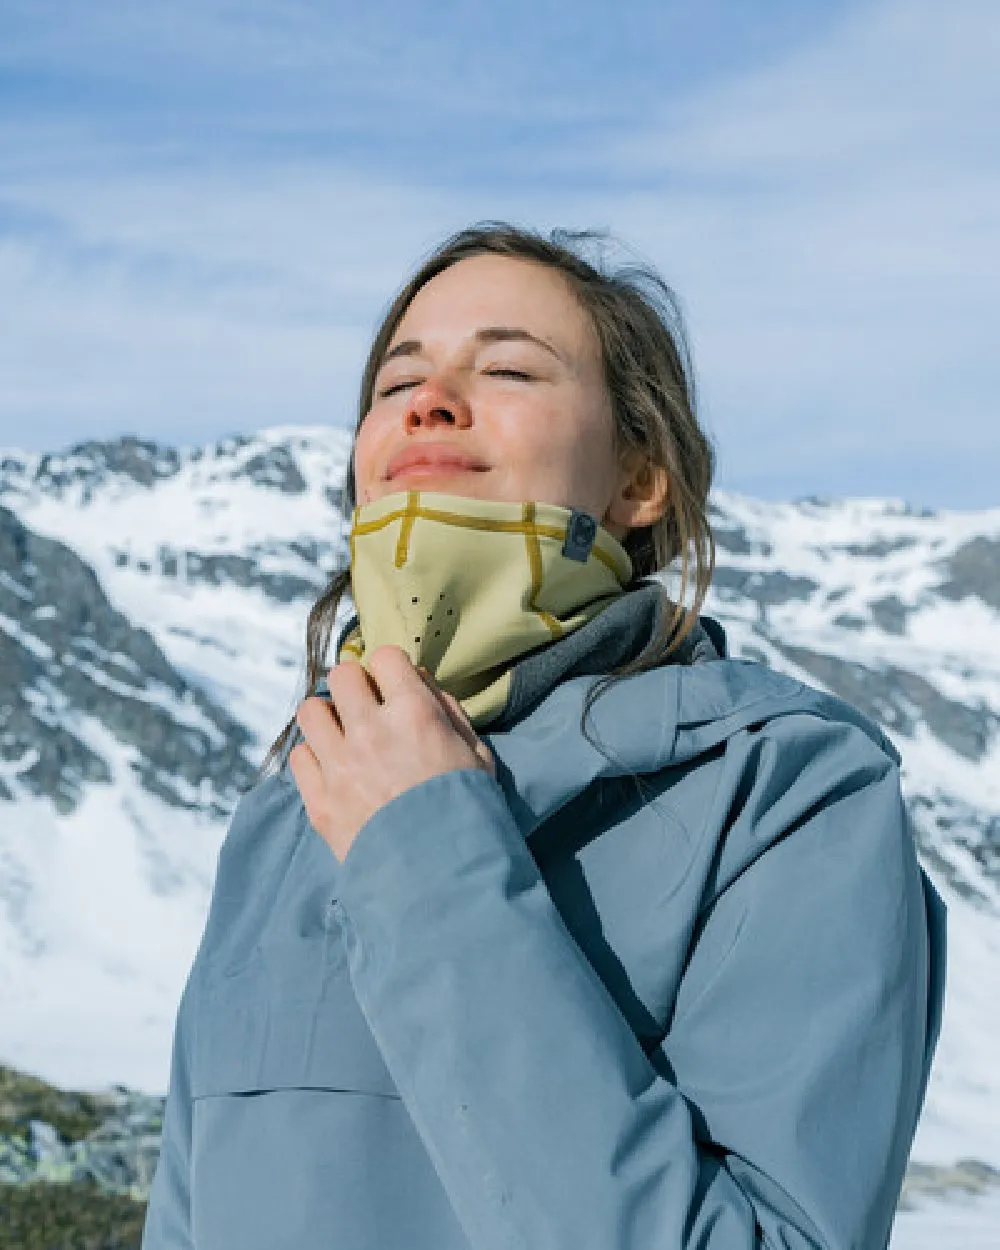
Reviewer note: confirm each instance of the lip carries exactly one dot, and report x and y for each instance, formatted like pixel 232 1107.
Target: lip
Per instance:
pixel 437 458
pixel 438 469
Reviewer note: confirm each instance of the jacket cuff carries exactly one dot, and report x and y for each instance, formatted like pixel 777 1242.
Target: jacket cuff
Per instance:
pixel 422 842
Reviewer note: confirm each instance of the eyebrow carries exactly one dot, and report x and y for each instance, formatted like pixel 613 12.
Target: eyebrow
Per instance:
pixel 487 334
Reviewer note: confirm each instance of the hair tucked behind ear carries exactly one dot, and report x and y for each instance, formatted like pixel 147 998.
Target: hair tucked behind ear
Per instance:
pixel 647 367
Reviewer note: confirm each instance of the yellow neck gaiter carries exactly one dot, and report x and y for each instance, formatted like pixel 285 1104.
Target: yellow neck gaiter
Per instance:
pixel 465 586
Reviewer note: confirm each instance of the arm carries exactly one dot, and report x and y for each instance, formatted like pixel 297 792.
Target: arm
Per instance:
pixel 775 1113
pixel 168 1221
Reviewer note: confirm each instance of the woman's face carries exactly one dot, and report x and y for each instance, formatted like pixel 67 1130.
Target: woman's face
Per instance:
pixel 496 359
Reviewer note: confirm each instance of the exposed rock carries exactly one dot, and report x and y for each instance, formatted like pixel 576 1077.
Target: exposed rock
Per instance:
pixel 974 569
pixel 735 540
pixel 274 468
pixel 246 571
pixel 875 550
pixel 68 656
pixel 765 588
pixel 929 1180
pixel 889 613
pixel 846 620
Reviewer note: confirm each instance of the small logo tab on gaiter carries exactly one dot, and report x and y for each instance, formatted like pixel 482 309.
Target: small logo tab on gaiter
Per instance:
pixel 580 536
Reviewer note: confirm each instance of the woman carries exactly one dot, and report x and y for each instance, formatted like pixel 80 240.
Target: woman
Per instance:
pixel 520 988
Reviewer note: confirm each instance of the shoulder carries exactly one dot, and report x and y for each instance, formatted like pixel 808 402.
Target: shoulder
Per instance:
pixel 267 810
pixel 735 693
pixel 266 826
pixel 759 758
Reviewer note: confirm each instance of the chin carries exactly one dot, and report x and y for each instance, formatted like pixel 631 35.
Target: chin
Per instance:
pixel 432 488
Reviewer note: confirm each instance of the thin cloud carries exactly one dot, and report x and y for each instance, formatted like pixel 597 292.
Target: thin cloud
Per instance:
pixel 211 250
pixel 835 221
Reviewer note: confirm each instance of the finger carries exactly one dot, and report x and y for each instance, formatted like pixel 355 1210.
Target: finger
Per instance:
pixel 320 727
pixel 458 713
pixel 460 719
pixel 454 709
pixel 392 671
pixel 306 770
pixel 353 690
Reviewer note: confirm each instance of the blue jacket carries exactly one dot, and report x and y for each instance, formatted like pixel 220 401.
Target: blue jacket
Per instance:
pixel 680 992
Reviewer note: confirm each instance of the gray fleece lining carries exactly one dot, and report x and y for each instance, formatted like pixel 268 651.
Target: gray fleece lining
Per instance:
pixel 612 638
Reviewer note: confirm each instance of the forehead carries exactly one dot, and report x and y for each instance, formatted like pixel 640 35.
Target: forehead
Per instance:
pixel 499 290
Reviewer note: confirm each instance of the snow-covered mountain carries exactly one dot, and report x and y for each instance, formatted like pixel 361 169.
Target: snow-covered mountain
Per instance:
pixel 153 603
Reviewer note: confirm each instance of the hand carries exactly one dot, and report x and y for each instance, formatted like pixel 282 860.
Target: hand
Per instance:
pixel 386 729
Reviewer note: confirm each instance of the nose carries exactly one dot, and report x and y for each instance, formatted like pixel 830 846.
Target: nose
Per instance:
pixel 434 401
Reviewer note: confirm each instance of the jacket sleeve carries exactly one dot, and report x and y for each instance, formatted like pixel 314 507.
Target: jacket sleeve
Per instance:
pixel 168 1218
pixel 778 1111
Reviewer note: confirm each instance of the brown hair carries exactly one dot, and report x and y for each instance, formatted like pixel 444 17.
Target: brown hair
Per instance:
pixel 647 367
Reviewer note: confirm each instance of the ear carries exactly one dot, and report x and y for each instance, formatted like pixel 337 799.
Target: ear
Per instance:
pixel 641 493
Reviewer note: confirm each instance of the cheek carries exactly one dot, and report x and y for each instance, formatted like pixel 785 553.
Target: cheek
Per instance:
pixel 543 463
pixel 538 429
pixel 366 452
pixel 557 440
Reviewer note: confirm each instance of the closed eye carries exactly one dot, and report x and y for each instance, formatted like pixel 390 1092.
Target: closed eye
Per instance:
pixel 391 390
pixel 493 373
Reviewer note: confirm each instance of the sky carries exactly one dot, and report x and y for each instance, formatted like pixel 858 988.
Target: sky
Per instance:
pixel 205 207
